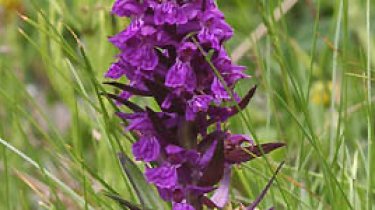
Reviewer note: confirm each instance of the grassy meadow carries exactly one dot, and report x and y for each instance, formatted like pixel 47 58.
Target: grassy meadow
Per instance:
pixel 313 62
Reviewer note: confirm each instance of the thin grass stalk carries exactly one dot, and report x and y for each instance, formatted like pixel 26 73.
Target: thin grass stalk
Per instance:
pixel 313 50
pixel 334 83
pixel 52 177
pixel 369 114
pixel 106 118
pixel 265 67
pixel 284 189
pixel 313 138
pixel 6 177
pixel 268 79
pixel 47 136
pixel 313 141
pixel 99 109
pixel 24 136
pixel 76 128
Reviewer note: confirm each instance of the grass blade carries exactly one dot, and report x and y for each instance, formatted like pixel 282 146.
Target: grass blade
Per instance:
pixel 146 194
pixel 58 182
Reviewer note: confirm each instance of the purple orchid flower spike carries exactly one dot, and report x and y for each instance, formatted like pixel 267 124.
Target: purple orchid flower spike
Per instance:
pixel 186 156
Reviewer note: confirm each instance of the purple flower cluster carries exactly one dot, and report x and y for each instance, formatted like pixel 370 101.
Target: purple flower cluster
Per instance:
pixel 186 151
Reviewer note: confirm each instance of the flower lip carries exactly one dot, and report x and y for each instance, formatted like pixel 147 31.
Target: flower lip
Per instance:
pixel 182 206
pixel 128 8
pixel 146 149
pixel 181 75
pixel 163 176
pixel 186 51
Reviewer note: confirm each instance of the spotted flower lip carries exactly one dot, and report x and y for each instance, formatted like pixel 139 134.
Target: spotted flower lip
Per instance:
pixel 199 103
pixel 214 28
pixel 170 12
pixel 163 176
pixel 181 75
pixel 146 149
pixel 186 151
pixel 182 206
pixel 128 8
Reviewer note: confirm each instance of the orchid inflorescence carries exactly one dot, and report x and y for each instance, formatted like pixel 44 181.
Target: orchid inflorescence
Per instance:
pixel 163 54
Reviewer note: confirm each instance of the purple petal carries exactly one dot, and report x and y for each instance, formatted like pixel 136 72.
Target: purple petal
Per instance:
pixel 215 168
pixel 173 149
pixel 163 176
pixel 181 75
pixel 186 50
pixel 121 39
pixel 214 28
pixel 165 194
pixel 221 195
pixel 125 95
pixel 165 12
pixel 169 12
pixel 157 122
pixel 182 206
pixel 198 190
pixel 219 90
pixel 144 56
pixel 167 103
pixel 176 154
pixel 230 72
pixel 222 114
pixel 207 156
pixel 238 139
pixel 115 71
pixel 190 115
pixel 146 149
pixel 197 104
pixel 138 122
pixel 179 155
pixel 127 8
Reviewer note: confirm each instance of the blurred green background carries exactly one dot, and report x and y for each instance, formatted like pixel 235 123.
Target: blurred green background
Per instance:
pixel 60 138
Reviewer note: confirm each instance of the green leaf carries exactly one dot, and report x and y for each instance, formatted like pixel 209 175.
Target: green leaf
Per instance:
pixel 148 197
pixel 124 203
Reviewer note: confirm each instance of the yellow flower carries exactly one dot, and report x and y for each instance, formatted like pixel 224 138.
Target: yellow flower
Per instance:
pixel 321 93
